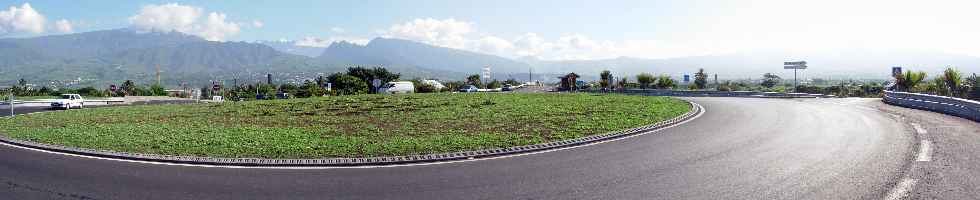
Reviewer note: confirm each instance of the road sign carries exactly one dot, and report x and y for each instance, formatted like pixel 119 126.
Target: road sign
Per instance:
pixel 216 87
pixel 376 82
pixel 687 78
pixel 896 71
pixel 794 67
pixel 112 88
pixel 795 63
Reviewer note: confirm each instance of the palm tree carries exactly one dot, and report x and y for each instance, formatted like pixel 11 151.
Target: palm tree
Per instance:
pixel 953 79
pixel 910 79
pixel 605 78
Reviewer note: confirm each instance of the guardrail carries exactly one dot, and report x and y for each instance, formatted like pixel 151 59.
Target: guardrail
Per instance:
pixel 703 93
pixel 964 108
pixel 46 101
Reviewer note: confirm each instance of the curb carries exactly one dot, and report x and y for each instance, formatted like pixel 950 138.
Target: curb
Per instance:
pixel 350 162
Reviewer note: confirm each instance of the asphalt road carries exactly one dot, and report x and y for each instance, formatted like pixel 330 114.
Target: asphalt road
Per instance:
pixel 741 148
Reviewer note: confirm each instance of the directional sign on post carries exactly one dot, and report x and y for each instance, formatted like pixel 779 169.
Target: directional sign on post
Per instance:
pixel 112 88
pixel 795 66
pixel 216 87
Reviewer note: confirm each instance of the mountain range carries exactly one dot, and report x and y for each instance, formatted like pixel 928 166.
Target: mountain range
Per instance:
pixel 110 56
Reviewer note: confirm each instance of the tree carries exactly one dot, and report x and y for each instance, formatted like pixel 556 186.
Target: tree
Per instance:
pixel 511 81
pixel 623 82
pixel 157 90
pixel 974 86
pixel 348 85
pixel 128 87
pixel 769 80
pixel 700 79
pixel 605 79
pixel 645 80
pixel 952 81
pixel 493 84
pixel 423 87
pixel 910 79
pixel 474 80
pixel 665 82
pixel 368 75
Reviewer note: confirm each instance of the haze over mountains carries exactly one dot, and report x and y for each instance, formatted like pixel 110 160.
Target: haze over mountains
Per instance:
pixel 100 57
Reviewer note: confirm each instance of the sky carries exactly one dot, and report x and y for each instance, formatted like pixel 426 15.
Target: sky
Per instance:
pixel 544 29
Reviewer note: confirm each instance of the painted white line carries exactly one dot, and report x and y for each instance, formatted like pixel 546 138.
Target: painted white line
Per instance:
pixel 925 150
pixel 363 167
pixel 919 129
pixel 901 190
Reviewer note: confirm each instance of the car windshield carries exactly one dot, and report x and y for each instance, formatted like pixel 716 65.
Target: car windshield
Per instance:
pixel 65 96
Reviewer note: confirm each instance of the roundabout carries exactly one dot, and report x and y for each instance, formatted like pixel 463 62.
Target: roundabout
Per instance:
pixel 439 128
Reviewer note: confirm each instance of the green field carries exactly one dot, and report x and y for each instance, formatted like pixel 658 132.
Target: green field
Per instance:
pixel 344 126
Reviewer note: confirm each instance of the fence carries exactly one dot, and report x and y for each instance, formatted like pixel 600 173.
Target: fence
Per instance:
pixel 947 105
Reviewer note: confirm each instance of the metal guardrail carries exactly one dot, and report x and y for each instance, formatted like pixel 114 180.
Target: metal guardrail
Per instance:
pixel 964 108
pixel 702 93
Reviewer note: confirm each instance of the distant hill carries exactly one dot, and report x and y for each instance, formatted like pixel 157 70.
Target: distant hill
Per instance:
pixel 856 64
pixel 388 52
pixel 290 47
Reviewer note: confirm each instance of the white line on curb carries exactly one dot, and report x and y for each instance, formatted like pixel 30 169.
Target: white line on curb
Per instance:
pixel 362 167
pixel 925 148
pixel 901 190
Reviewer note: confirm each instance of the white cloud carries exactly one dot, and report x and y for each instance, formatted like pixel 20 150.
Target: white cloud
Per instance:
pixel 446 33
pixel 325 42
pixel 258 24
pixel 21 20
pixel 217 29
pixel 167 17
pixel 337 30
pixel 63 26
pixel 185 19
pixel 493 45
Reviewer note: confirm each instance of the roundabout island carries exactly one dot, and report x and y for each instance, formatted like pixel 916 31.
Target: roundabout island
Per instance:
pixel 346 129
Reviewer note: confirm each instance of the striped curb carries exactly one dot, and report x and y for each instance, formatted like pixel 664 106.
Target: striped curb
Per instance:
pixel 348 162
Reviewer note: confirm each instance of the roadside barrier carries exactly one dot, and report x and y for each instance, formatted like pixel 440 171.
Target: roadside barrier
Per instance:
pixel 703 93
pixel 964 108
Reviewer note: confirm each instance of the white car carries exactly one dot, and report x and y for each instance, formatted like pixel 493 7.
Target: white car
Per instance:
pixel 67 101
pixel 398 87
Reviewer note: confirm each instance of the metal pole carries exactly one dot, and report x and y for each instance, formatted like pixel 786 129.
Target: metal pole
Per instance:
pixel 795 82
pixel 11 104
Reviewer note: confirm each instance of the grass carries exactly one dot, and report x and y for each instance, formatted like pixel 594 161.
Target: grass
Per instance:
pixel 344 126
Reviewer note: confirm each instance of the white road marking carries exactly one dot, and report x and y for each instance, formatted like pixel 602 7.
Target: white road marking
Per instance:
pixel 925 149
pixel 919 129
pixel 901 190
pixel 362 167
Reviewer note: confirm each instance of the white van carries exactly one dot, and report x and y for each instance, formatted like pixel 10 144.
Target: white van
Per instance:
pixel 396 87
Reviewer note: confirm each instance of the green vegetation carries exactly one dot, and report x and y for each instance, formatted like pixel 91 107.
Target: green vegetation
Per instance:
pixel 344 126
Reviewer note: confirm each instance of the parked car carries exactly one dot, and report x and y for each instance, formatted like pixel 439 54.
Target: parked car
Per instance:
pixel 396 87
pixel 507 88
pixel 67 101
pixel 282 95
pixel 468 88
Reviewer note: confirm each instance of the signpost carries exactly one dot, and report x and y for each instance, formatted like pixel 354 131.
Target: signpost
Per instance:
pixel 687 78
pixel 376 83
pixel 799 65
pixel 11 103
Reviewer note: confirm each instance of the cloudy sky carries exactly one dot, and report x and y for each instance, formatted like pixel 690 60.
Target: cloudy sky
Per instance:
pixel 553 30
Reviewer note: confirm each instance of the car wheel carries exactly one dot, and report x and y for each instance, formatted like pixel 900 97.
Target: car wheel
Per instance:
pixel 81 105
pixel 68 106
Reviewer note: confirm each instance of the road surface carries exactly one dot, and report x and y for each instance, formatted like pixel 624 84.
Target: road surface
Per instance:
pixel 741 148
